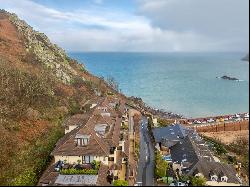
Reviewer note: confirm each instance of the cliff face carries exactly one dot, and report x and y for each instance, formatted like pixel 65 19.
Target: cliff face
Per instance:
pixel 45 52
pixel 39 87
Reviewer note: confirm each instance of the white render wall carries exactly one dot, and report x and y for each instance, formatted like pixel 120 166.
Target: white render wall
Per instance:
pixel 71 128
pixel 74 159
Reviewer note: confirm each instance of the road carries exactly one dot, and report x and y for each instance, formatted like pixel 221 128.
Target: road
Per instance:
pixel 145 174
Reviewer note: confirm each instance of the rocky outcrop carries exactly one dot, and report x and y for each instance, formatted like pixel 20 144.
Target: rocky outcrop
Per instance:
pixel 43 50
pixel 246 58
pixel 225 77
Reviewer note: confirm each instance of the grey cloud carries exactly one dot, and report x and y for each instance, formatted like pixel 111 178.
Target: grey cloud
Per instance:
pixel 217 19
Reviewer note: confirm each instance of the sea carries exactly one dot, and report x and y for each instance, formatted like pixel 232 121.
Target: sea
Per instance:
pixel 182 83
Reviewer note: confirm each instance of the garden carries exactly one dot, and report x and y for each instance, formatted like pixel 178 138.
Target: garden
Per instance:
pixel 81 169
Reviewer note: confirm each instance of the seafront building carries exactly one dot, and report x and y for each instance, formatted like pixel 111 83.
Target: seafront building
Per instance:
pixel 102 135
pixel 190 155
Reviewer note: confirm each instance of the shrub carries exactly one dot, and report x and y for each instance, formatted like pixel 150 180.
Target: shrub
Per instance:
pixel 120 183
pixel 198 181
pixel 218 146
pixel 73 171
pixel 27 178
pixel 96 164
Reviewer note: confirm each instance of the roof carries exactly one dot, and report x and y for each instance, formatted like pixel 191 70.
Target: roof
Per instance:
pixel 48 177
pixel 100 139
pixel 78 119
pixel 171 133
pixel 196 157
pixel 90 180
pixel 217 168
pixel 184 150
pixel 96 145
pixel 102 176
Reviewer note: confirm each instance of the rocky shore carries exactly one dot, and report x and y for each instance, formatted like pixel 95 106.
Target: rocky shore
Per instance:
pixel 144 108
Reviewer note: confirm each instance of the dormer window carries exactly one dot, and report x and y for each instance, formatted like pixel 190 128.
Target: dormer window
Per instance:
pixel 105 114
pixel 104 109
pixel 224 179
pixel 213 176
pixel 82 140
pixel 101 129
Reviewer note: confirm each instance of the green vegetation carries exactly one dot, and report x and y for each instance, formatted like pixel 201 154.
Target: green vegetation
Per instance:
pixel 164 122
pixel 161 166
pixel 120 183
pixel 33 107
pixel 96 165
pixel 124 126
pixel 241 147
pixel 73 171
pixel 198 181
pixel 150 126
pixel 137 150
pixel 37 158
pixel 218 147
pixel 167 180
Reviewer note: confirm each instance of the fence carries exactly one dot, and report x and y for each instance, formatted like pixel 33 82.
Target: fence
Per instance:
pixel 233 126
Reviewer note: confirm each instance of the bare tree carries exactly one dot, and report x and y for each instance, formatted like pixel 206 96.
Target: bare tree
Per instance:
pixel 113 83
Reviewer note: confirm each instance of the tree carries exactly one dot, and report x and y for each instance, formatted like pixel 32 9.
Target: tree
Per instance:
pixel 161 166
pixel 198 181
pixel 113 83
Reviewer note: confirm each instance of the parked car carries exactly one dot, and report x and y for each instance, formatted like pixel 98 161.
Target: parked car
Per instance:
pixel 178 184
pixel 197 122
pixel 59 165
pixel 237 119
pixel 237 116
pixel 210 120
pixel 246 116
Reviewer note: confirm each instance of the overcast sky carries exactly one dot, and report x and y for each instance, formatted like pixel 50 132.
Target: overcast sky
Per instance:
pixel 139 25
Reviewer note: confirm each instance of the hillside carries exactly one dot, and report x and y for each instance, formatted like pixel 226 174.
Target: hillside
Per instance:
pixel 40 86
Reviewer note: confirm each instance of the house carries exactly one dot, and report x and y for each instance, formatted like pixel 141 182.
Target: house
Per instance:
pixel 190 155
pixel 75 121
pixel 100 138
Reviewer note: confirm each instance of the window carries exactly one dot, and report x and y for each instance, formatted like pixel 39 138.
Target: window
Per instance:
pixel 111 159
pixel 112 150
pixel 87 159
pixel 224 179
pixel 214 178
pixel 82 141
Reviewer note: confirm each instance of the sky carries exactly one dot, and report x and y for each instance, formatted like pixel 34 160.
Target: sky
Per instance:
pixel 139 25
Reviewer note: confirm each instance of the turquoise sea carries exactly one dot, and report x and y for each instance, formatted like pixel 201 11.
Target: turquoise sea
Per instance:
pixel 183 83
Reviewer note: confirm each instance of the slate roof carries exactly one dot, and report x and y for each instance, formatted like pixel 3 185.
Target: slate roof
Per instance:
pixel 205 167
pixel 170 133
pixel 184 150
pixel 196 157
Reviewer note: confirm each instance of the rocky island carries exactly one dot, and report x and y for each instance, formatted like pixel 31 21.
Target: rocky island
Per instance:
pixel 246 58
pixel 225 77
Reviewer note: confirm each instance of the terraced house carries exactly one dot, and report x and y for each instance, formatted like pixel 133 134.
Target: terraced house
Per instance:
pixel 101 137
pixel 189 155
